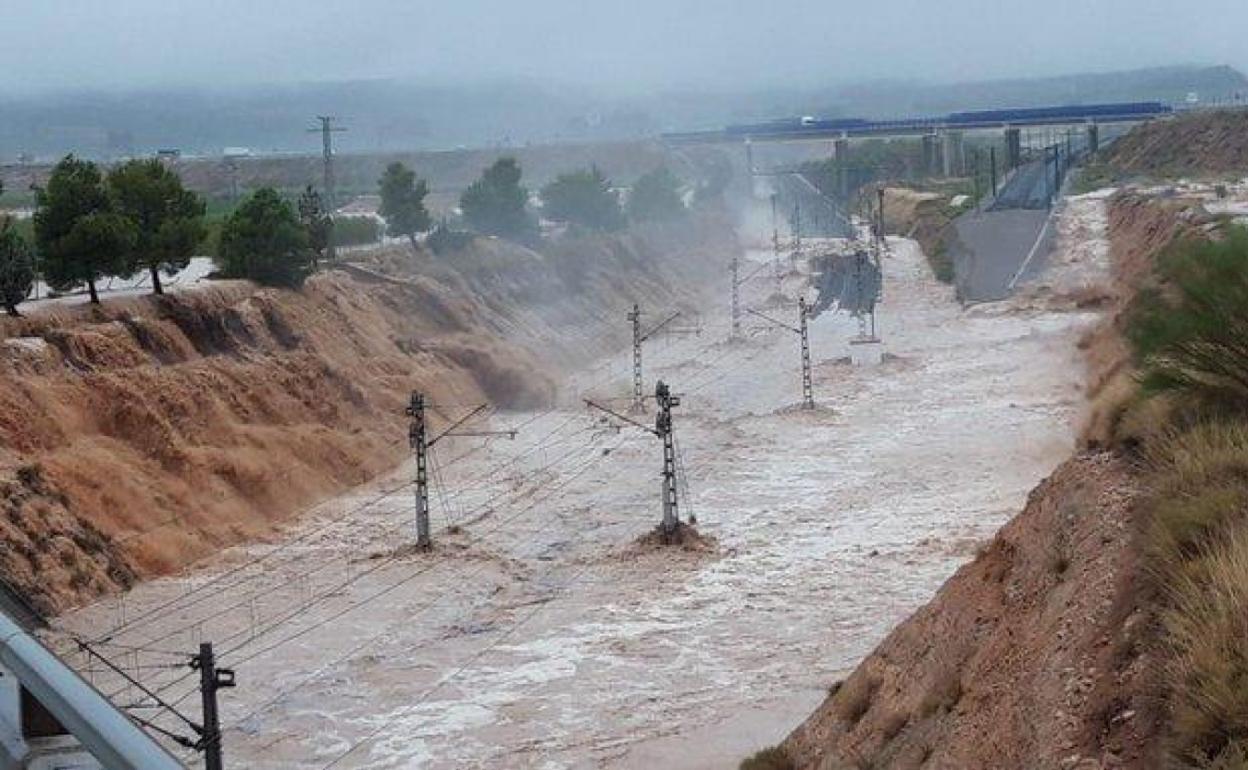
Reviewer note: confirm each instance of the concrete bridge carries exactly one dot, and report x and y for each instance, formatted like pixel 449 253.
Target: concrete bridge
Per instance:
pixel 942 136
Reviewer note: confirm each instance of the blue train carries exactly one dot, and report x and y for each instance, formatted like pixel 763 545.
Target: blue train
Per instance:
pixel 1074 113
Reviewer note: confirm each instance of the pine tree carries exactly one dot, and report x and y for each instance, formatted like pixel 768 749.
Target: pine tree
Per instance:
pixel 168 220
pixel 403 202
pixel 17 267
pixel 264 242
pixel 79 235
pixel 497 204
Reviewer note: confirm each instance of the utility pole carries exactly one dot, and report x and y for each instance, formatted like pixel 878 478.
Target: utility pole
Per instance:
pixel 417 436
pixel 327 130
pixel 808 389
pixel 663 429
pixel 802 330
pixel 635 318
pixel 736 297
pixel 417 439
pixel 879 232
pixel 992 153
pixel 639 403
pixel 775 230
pixel 797 227
pixel 211 679
pixel 975 174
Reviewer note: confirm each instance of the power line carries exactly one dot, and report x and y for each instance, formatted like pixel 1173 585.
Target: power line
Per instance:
pixel 329 563
pixel 158 611
pixel 467 666
pixel 532 448
pixel 406 620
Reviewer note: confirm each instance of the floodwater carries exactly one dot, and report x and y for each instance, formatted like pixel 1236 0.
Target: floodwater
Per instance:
pixel 539 634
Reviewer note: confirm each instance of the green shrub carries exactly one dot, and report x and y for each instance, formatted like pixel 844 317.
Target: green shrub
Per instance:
pixel 1192 337
pixel 942 262
pixel 443 240
pixel 264 241
pixel 356 231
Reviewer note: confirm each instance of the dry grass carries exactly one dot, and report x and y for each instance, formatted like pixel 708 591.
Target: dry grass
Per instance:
pixel 1118 415
pixel 1207 632
pixel 1197 547
pixel 774 758
pixel 1200 487
pixel 855 697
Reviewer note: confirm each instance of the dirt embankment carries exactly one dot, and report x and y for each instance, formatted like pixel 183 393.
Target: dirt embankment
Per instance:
pixel 1203 144
pixel 1029 657
pixel 138 437
pixel 1042 652
pixel 1209 145
pixel 926 217
pixel 1140 228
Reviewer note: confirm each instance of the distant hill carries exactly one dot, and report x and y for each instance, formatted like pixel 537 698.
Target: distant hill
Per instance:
pixel 392 116
pixel 1169 84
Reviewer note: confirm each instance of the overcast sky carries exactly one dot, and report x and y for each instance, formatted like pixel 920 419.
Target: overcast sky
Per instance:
pixel 643 44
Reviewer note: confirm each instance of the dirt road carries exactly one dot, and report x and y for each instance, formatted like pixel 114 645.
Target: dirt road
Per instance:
pixel 540 635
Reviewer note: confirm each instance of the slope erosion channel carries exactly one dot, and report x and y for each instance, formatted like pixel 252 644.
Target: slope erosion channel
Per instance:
pixel 545 630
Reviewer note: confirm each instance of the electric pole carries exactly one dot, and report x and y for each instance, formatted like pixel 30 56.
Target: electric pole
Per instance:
pixel 992 153
pixel 808 390
pixel 879 230
pixel 327 130
pixel 211 679
pixel 639 402
pixel 736 298
pixel 775 230
pixel 417 437
pixel 663 430
pixel 635 318
pixel 663 427
pixel 802 331
pixel 797 227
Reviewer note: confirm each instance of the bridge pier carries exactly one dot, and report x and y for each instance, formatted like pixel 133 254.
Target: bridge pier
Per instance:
pixel 954 162
pixel 1094 137
pixel 1013 148
pixel 840 149
pixel 931 154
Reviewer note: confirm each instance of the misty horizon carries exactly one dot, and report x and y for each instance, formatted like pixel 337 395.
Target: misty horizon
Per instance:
pixel 720 45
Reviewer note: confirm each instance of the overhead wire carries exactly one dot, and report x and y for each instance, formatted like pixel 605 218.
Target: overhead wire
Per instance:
pixel 405 621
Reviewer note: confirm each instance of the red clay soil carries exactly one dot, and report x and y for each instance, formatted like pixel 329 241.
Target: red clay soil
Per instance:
pixel 1041 653
pixel 1209 143
pixel 141 436
pixel 1031 656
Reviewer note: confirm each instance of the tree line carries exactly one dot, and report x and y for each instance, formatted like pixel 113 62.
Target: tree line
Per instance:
pixel 138 218
pixel 498 203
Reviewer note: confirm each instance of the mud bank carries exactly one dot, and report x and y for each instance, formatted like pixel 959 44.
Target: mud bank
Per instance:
pixel 537 634
pixel 1042 652
pixel 141 436
pixel 1030 656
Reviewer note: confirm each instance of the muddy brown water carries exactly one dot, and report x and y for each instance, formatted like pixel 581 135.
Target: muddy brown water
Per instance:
pixel 538 635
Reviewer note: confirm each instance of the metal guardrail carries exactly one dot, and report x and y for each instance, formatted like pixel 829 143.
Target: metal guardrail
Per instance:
pixel 108 734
